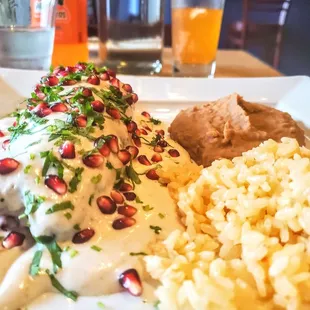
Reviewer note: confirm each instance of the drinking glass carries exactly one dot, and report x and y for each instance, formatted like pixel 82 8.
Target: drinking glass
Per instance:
pixel 27 30
pixel 131 35
pixel 196 26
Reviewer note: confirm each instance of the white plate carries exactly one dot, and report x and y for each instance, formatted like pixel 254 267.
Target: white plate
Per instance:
pixel 164 97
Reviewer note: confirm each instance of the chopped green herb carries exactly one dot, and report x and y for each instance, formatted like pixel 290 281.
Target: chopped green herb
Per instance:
pixel 109 165
pixel 32 202
pixel 161 215
pixel 27 169
pixel 70 294
pixel 147 208
pixel 68 215
pixel 75 180
pixel 137 253
pixel 77 227
pixel 156 304
pixel 132 174
pixel 73 253
pixel 51 161
pixel 96 179
pixel 155 121
pixel 60 206
pixel 37 180
pixel 35 264
pixel 90 199
pixel 138 200
pixel 96 248
pixel 100 305
pixel 32 156
pixel 156 229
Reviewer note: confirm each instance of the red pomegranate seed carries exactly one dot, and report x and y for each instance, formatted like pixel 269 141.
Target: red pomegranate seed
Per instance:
pixel 130 196
pixel 55 183
pixel 134 97
pixel 162 143
pixel 42 110
pixel 106 205
pixel 152 175
pixel 134 151
pixel 138 132
pixel 83 236
pixel 115 82
pixel 143 160
pixel 127 210
pixel 104 76
pixel 131 126
pixel 156 158
pixel 113 144
pixel 111 73
pixel 63 73
pixel 123 222
pixel 127 88
pixel 125 187
pixel 5 144
pixel 1 134
pixel 70 69
pixel 130 280
pixel 58 69
pixel 146 114
pixel 104 150
pixel 86 92
pixel 69 82
pixel 81 66
pixel 113 112
pixel 98 106
pixel 117 196
pixel 143 131
pixel 8 165
pixel 160 132
pixel 8 222
pixel 174 153
pixel 147 128
pixel 136 140
pixel 52 80
pixel 158 149
pixel 93 161
pixel 13 239
pixel 14 124
pixel 124 156
pixel 81 121
pixel 67 150
pixel 94 80
pixel 59 107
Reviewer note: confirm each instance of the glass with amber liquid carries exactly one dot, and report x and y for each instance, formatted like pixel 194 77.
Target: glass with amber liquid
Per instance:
pixel 196 26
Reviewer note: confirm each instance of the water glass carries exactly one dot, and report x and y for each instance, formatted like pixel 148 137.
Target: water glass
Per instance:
pixel 27 29
pixel 131 35
pixel 196 26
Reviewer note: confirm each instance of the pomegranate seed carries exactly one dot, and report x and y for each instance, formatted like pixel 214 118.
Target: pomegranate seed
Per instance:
pixel 8 222
pixel 124 156
pixel 104 150
pixel 42 110
pixel 125 187
pixel 8 165
pixel 98 106
pixel 123 222
pixel 158 149
pixel 127 210
pixel 58 69
pixel 70 69
pixel 113 112
pixel 115 82
pixel 104 76
pixel 94 80
pixel 143 131
pixel 93 161
pixel 13 239
pixel 63 73
pixel 80 66
pixel 131 126
pixel 1 134
pixel 56 184
pixel 59 107
pixel 81 121
pixel 162 143
pixel 146 114
pixel 174 153
pixel 86 92
pixel 83 236
pixel 138 132
pixel 129 100
pixel 156 158
pixel 69 82
pixel 143 160
pixel 136 140
pixel 147 128
pixel 113 144
pixel 117 196
pixel 160 132
pixel 152 175
pixel 134 151
pixel 14 124
pixel 52 80
pixel 5 144
pixel 130 280
pixel 127 88
pixel 130 196
pixel 111 73
pixel 134 97
pixel 67 150
pixel 106 205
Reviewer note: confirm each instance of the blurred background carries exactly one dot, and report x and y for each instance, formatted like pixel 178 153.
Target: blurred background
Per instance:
pixel 280 38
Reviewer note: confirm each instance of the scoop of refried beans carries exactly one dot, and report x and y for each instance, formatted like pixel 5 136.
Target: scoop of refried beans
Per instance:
pixel 229 126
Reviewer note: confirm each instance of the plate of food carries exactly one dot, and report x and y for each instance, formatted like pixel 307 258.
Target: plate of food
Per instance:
pixel 121 192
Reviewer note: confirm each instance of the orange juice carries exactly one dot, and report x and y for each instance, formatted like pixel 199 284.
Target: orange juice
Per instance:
pixel 195 34
pixel 70 33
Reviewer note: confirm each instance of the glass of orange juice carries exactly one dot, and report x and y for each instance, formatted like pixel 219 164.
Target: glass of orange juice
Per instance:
pixel 196 26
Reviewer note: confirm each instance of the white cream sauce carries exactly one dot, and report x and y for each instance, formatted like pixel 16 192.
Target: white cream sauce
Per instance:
pixel 90 273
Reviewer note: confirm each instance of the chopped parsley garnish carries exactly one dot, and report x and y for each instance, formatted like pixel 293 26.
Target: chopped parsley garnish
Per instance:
pixel 132 174
pixel 73 253
pixel 147 208
pixel 51 161
pixel 27 169
pixel 32 156
pixel 156 304
pixel 155 121
pixel 70 294
pixel 37 179
pixel 109 165
pixel 161 215
pixel 90 199
pixel 31 144
pixel 156 229
pixel 60 206
pixel 138 200
pixel 96 179
pixel 35 264
pixel 32 203
pixel 96 248
pixel 75 180
pixel 68 215
pixel 137 253
pixel 100 305
pixel 77 227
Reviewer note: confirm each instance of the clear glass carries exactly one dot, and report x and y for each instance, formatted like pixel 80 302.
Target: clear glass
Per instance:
pixel 131 35
pixel 196 27
pixel 27 29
